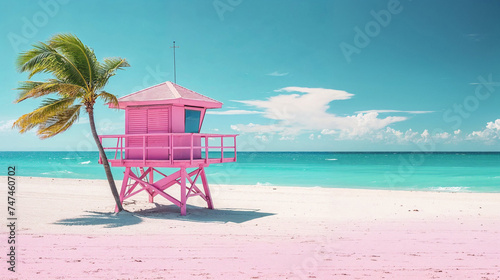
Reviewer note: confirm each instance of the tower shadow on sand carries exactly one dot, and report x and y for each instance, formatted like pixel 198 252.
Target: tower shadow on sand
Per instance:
pixel 164 212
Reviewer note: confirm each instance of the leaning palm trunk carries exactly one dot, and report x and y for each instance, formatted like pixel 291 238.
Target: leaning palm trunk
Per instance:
pixel 104 159
pixel 78 81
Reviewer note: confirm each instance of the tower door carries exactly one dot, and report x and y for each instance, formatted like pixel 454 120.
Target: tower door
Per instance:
pixel 144 120
pixel 158 123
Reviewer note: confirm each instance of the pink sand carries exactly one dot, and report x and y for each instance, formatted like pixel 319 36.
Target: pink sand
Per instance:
pixel 256 232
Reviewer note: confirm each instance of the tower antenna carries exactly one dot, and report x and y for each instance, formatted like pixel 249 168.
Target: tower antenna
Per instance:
pixel 175 75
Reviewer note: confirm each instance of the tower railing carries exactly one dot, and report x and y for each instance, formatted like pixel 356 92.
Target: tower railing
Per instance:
pixel 170 148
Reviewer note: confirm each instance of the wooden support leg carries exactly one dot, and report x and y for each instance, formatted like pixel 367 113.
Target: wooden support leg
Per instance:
pixel 151 181
pixel 206 188
pixel 124 186
pixel 183 191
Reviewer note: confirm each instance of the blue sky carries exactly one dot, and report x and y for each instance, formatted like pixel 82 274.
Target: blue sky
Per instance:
pixel 293 75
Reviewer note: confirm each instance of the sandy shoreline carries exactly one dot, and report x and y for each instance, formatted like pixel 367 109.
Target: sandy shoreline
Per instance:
pixel 66 230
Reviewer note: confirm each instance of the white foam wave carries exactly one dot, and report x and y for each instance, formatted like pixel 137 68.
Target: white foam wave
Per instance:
pixel 331 159
pixel 450 189
pixel 85 162
pixel 58 172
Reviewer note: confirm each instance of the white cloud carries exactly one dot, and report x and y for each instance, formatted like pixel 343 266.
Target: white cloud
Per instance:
pixel 327 93
pixel 369 127
pixel 6 125
pixel 277 74
pixel 391 131
pixel 396 136
pixel 328 131
pixel 263 138
pixel 489 134
pixel 494 125
pixel 256 128
pixel 296 113
pixel 394 111
pixel 476 37
pixel 443 135
pixel 233 112
pixel 390 135
pixel 364 124
pixel 410 135
pixel 285 138
pixel 425 134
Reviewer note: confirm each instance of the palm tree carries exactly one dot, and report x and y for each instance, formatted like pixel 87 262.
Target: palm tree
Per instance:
pixel 77 81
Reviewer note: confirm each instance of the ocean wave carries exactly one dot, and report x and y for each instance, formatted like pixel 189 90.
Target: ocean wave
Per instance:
pixel 85 162
pixel 331 159
pixel 58 172
pixel 450 189
pixel 263 184
pixel 68 158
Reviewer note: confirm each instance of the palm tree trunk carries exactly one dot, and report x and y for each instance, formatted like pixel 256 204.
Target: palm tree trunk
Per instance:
pixel 105 162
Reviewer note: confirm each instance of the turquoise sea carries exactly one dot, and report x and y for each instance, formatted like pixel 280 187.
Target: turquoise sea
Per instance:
pixel 450 171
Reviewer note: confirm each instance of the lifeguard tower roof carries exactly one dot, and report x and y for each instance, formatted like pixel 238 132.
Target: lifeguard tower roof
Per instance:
pixel 167 93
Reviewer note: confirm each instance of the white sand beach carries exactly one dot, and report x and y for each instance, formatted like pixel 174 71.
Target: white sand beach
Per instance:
pixel 66 230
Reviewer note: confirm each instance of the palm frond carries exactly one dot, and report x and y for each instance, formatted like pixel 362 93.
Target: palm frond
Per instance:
pixel 30 89
pixel 45 59
pixel 80 55
pixel 108 98
pixel 108 68
pixel 59 122
pixel 42 58
pixel 49 108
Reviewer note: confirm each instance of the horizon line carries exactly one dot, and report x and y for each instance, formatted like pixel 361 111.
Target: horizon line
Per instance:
pixel 424 152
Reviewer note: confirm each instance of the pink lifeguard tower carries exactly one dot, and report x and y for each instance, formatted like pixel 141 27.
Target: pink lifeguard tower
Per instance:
pixel 162 130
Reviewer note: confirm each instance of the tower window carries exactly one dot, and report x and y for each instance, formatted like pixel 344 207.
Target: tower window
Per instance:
pixel 192 121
